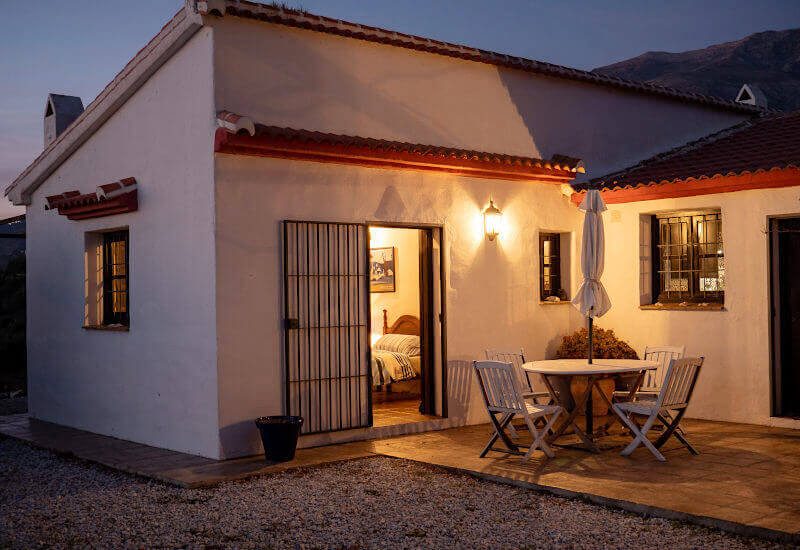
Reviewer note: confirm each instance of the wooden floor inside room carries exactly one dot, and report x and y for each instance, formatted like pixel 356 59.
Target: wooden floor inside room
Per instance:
pixel 391 413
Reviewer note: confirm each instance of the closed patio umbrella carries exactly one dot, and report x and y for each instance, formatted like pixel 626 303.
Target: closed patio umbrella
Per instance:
pixel 592 300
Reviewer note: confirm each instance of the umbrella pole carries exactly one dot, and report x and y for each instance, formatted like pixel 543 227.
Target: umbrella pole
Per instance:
pixel 589 405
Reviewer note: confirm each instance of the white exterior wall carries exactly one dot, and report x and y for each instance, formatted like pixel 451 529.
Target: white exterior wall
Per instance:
pixel 734 383
pixel 305 79
pixel 492 287
pixel 157 383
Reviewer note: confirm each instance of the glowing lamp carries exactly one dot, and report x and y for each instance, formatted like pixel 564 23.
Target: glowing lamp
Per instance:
pixel 492 218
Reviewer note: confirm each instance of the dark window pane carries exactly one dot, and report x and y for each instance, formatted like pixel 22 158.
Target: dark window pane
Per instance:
pixel 549 265
pixel 688 250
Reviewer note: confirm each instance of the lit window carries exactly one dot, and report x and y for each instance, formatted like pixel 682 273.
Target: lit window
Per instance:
pixel 115 278
pixel 688 257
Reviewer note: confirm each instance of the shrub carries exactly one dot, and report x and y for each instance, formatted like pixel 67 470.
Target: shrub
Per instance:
pixel 605 346
pixel 12 325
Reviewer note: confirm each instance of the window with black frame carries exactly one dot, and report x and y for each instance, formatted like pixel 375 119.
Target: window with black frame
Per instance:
pixel 689 257
pixel 115 278
pixel 550 283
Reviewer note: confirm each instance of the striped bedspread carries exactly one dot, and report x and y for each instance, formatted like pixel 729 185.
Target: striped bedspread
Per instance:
pixel 390 366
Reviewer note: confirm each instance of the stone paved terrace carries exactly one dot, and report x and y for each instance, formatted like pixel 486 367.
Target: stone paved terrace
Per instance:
pixel 746 479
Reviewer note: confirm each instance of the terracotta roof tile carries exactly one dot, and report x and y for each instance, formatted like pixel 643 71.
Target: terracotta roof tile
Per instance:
pixel 355 146
pixel 557 162
pixel 750 147
pixel 111 198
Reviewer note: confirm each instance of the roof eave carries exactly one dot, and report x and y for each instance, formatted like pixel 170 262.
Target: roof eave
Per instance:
pixel 774 178
pixel 144 64
pixel 372 153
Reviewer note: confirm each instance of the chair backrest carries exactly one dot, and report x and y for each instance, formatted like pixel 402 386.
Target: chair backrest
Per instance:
pixel 500 386
pixel 516 358
pixel 679 382
pixel 653 379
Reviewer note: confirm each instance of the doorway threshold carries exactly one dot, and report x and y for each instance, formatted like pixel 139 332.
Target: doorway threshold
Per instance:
pixel 376 432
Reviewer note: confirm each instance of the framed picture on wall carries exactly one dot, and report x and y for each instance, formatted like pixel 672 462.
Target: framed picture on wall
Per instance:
pixel 382 269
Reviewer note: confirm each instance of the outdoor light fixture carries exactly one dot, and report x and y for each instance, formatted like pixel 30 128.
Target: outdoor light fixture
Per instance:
pixel 492 218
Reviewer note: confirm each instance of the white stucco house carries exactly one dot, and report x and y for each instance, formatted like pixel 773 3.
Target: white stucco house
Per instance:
pixel 227 230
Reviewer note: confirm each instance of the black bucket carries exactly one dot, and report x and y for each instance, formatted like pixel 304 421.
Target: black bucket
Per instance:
pixel 279 436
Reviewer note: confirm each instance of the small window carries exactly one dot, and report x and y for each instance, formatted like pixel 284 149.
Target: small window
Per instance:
pixel 115 278
pixel 550 279
pixel 688 257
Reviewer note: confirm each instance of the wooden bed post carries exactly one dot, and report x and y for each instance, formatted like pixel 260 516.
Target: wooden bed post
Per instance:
pixel 385 322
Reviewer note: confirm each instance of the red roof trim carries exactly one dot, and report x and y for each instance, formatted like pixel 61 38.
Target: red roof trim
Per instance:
pixel 271 141
pixel 785 177
pixel 118 197
pixel 751 147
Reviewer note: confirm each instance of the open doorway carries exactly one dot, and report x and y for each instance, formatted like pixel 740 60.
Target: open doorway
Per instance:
pixel 406 370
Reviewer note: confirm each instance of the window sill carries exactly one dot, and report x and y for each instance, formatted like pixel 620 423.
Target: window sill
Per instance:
pixel 108 328
pixel 684 307
pixel 559 303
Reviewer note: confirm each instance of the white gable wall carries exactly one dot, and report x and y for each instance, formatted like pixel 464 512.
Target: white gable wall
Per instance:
pixel 304 79
pixel 157 383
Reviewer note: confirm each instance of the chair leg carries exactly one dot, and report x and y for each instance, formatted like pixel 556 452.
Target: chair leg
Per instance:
pixel 499 433
pixel 539 441
pixel 640 435
pixel 673 428
pixel 512 431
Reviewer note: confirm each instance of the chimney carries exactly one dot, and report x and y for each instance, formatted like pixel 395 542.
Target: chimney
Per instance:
pixel 59 112
pixel 750 94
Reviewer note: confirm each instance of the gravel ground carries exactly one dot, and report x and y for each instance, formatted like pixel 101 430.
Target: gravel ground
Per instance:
pixel 46 500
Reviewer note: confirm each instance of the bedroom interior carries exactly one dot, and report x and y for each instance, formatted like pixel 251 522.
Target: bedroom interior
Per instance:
pixel 395 305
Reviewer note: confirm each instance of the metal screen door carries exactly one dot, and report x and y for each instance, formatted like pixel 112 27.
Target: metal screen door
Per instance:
pixel 327 318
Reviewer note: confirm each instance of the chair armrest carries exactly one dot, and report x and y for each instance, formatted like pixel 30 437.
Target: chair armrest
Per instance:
pixel 535 394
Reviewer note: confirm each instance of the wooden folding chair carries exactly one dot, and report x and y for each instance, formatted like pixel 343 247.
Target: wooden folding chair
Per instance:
pixel 652 379
pixel 517 358
pixel 668 408
pixel 502 395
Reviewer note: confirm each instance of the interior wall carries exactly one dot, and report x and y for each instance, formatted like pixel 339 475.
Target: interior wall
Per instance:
pixel 405 299
pixel 734 384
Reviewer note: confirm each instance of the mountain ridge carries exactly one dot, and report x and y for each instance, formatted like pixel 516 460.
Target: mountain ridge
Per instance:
pixel 767 59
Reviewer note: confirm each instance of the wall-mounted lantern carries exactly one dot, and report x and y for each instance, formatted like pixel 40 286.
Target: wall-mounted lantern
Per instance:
pixel 492 218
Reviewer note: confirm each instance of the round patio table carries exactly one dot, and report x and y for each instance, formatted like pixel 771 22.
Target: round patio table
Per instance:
pixel 559 372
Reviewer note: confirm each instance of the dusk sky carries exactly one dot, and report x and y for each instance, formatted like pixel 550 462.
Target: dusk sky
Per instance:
pixel 76 47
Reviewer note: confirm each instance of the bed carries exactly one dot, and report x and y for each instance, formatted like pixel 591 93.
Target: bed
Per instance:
pixel 396 360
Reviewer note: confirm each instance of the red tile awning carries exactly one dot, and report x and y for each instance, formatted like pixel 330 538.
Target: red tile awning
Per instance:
pixel 763 153
pixel 112 198
pixel 239 136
